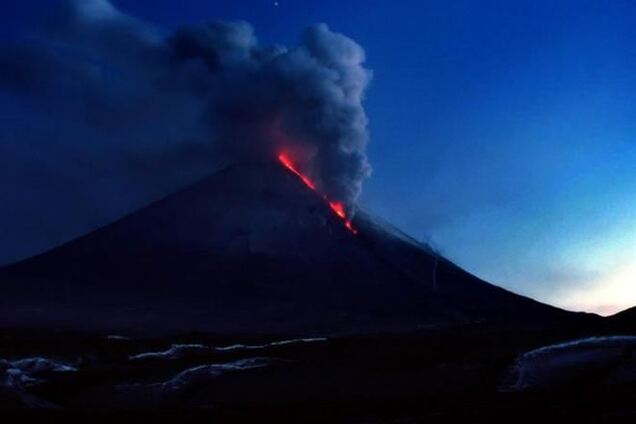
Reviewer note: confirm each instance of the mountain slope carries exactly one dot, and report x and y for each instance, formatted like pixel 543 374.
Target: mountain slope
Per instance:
pixel 624 320
pixel 251 249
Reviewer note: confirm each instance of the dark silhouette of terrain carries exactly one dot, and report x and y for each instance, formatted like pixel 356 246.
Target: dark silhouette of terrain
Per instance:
pixel 244 297
pixel 624 320
pixel 252 250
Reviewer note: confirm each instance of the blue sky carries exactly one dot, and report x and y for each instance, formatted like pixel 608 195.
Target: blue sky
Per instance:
pixel 503 132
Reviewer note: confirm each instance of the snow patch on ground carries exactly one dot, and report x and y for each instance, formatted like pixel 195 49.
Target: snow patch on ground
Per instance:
pixel 117 337
pixel 19 375
pixel 175 351
pixel 196 375
pixel 22 373
pixel 41 365
pixel 205 372
pixel 610 360
pixel 271 344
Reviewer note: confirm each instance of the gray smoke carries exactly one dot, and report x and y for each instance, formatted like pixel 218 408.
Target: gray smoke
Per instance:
pixel 197 96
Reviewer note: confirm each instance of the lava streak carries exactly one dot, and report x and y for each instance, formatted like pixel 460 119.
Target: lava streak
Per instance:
pixel 336 207
pixel 289 165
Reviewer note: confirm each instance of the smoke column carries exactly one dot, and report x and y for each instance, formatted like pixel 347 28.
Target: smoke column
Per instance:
pixel 208 91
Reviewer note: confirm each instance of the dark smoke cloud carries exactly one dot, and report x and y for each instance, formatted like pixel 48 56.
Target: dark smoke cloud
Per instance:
pixel 102 110
pixel 210 87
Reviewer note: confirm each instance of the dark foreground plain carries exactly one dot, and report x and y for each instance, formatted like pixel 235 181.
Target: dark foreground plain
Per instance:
pixel 463 374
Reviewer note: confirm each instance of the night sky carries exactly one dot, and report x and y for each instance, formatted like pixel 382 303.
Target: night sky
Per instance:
pixel 502 132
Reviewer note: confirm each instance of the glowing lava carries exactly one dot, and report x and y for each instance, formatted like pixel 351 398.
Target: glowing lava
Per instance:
pixel 288 164
pixel 336 207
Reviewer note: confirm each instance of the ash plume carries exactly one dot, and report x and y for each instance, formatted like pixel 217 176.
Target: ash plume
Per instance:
pixel 197 96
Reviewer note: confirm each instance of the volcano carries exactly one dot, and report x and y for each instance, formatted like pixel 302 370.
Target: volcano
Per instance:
pixel 252 249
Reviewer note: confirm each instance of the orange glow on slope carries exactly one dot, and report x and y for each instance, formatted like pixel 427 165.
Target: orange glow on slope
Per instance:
pixel 288 164
pixel 336 207
pixel 350 227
